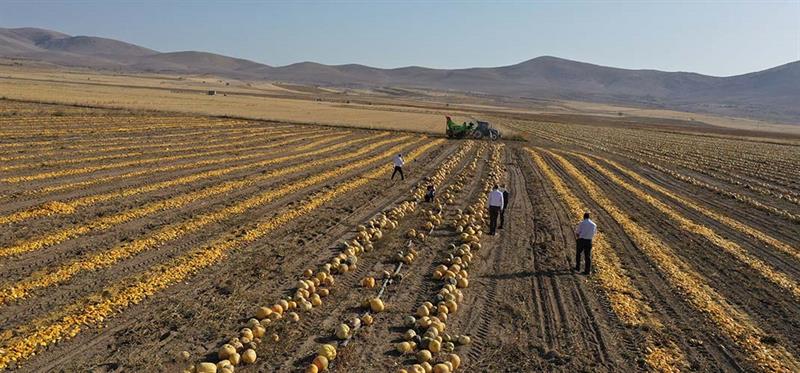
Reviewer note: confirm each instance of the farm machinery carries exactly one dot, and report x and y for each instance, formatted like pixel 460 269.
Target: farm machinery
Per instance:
pixel 475 129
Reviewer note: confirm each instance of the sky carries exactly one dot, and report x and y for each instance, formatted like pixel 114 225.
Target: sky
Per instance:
pixel 718 38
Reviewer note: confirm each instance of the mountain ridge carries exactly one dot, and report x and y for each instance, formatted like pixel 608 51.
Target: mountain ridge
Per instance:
pixel 767 94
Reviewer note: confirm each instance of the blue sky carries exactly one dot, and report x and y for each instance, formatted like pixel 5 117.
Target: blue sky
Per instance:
pixel 714 37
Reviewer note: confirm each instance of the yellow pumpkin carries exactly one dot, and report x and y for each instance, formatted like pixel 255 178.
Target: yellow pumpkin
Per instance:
pixel 207 368
pixel 263 312
pixel 328 351
pixel 424 356
pixel 249 356
pixel 376 305
pixel 225 351
pixel 321 362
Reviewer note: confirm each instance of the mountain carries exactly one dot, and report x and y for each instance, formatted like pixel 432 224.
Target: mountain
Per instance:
pixel 769 94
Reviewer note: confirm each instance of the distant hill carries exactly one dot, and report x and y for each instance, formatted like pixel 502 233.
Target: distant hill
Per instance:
pixel 769 94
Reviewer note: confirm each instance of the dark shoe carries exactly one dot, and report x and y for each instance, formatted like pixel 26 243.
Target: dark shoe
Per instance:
pixel 577 269
pixel 500 227
pixel 586 273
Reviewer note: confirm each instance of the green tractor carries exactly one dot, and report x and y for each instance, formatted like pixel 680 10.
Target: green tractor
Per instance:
pixel 476 130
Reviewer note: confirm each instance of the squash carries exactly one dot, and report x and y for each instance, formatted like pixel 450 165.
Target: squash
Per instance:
pixel 416 368
pixel 464 340
pixel 246 333
pixel 423 311
pixel 207 368
pixel 263 312
pixel 376 305
pixel 328 351
pixel 321 362
pixel 367 320
pixel 249 356
pixel 183 356
pixel 435 346
pixel 409 334
pixel 277 308
pixel 455 360
pixel 225 351
pixel 312 369
pixel 235 359
pixel 368 282
pixel 403 347
pixel 342 331
pixel 274 337
pixel 424 356
pixel 294 317
pixel 259 331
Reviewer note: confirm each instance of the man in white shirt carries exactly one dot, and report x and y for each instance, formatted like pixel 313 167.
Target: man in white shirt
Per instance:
pixel 398 166
pixel 506 198
pixel 495 206
pixel 584 233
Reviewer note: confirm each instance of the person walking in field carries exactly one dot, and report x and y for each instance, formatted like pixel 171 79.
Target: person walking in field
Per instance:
pixel 506 196
pixel 398 166
pixel 495 207
pixel 584 233
pixel 430 193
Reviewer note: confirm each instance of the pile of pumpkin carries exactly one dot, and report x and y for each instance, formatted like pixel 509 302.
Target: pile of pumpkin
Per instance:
pixel 314 286
pixel 344 331
pixel 426 334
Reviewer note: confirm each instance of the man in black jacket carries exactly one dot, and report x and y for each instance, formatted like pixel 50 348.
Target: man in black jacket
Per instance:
pixel 505 205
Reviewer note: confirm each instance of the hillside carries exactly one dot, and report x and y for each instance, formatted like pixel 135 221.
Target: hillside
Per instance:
pixel 770 94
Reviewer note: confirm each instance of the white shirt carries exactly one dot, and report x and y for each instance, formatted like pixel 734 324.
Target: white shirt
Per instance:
pixel 398 161
pixel 496 198
pixel 586 229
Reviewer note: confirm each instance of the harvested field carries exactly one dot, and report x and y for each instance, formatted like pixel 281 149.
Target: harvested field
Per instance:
pixel 146 242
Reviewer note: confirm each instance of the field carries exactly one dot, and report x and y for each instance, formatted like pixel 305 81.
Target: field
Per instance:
pixel 139 241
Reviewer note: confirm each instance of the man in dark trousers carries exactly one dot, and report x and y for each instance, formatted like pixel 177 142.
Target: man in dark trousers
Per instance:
pixel 398 166
pixel 505 205
pixel 584 233
pixel 495 207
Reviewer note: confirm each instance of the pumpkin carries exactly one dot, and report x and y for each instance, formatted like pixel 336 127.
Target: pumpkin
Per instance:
pixel 464 340
pixel 312 369
pixel 274 337
pixel 441 368
pixel 183 356
pixel 246 333
pixel 424 356
pixel 235 359
pixel 342 331
pixel 455 360
pixel 294 317
pixel 277 308
pixel 368 282
pixel 435 346
pixel 259 331
pixel 263 312
pixel 249 356
pixel 207 368
pixel 328 351
pixel 376 305
pixel 423 311
pixel 409 334
pixel 427 367
pixel 225 351
pixel 367 320
pixel 321 362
